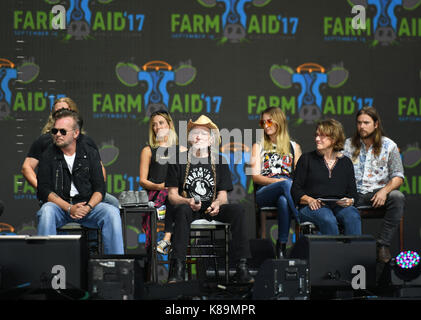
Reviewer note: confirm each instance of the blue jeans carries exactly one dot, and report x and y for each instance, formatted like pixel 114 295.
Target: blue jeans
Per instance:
pixel 110 199
pixel 103 216
pixel 327 218
pixel 278 195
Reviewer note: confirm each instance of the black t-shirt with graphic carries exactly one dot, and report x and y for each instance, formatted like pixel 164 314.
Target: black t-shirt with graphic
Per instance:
pixel 200 180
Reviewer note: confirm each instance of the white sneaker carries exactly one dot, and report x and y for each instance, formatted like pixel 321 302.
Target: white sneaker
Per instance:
pixel 163 246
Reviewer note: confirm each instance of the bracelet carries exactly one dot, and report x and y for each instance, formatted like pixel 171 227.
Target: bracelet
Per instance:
pixel 68 210
pixel 87 204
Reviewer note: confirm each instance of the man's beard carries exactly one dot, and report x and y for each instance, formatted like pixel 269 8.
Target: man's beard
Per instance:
pixel 368 136
pixel 62 144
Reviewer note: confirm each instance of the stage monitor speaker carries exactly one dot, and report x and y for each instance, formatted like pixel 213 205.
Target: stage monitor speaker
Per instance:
pixel 331 259
pixel 43 262
pixel 283 279
pixel 116 279
pixel 261 250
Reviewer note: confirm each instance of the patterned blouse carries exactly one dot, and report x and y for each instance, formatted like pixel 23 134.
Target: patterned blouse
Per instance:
pixel 274 164
pixel 371 172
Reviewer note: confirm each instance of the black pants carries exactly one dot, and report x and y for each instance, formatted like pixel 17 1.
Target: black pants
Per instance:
pixel 394 206
pixel 228 213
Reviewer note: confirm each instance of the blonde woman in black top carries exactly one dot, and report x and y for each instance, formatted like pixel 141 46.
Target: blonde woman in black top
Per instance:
pixel 153 170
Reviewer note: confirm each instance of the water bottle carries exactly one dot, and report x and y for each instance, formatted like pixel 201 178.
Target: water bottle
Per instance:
pixel 161 212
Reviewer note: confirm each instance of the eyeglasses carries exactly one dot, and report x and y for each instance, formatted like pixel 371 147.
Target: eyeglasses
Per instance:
pixel 321 135
pixel 268 122
pixel 63 132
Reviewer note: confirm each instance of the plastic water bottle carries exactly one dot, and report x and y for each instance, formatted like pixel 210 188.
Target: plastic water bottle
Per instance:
pixel 161 212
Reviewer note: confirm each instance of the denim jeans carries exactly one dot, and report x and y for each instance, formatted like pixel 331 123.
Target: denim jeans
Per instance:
pixel 327 218
pixel 278 195
pixel 394 206
pixel 103 216
pixel 110 199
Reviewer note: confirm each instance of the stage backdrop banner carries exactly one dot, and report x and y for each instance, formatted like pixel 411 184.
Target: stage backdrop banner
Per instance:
pixel 229 59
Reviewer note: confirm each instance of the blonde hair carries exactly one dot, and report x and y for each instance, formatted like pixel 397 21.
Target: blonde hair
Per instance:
pixel 283 142
pixel 172 135
pixel 50 122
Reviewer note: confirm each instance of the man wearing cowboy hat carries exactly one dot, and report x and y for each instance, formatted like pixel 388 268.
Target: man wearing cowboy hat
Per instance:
pixel 207 179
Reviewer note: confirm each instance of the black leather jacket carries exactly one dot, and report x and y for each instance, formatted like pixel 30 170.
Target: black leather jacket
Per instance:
pixel 54 175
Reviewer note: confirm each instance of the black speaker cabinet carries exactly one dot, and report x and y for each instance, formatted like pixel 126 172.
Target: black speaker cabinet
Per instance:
pixel 283 279
pixel 116 279
pixel 33 261
pixel 331 259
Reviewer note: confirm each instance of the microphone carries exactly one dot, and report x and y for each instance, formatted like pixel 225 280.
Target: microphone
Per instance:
pixel 196 199
pixel 1 207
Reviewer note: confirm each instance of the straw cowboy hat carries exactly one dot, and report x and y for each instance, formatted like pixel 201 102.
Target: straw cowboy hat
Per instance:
pixel 202 121
pixel 206 122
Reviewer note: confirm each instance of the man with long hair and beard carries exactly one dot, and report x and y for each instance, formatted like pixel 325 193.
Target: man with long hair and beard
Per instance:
pixel 378 174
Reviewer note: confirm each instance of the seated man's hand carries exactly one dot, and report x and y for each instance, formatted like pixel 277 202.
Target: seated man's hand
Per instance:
pixel 79 210
pixel 195 206
pixel 379 199
pixel 213 209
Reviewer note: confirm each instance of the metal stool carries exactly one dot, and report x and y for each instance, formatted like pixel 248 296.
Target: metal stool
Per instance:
pixel 197 228
pixel 94 245
pixel 264 213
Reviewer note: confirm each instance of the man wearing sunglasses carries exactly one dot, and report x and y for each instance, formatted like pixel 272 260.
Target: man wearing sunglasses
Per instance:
pixel 71 185
pixel 37 148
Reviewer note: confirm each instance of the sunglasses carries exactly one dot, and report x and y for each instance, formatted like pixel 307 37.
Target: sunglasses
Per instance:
pixel 268 122
pixel 63 132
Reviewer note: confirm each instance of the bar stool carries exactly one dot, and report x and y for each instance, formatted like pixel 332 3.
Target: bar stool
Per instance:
pixel 94 245
pixel 204 229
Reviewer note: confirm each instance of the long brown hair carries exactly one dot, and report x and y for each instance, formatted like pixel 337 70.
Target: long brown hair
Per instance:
pixel 377 134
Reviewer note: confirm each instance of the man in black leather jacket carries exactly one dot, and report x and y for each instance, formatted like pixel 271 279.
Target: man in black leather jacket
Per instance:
pixel 71 186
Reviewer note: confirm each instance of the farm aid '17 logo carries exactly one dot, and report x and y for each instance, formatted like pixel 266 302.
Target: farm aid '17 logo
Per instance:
pixel 84 20
pixel 156 79
pixel 13 100
pixel 385 23
pixel 236 23
pixel 310 104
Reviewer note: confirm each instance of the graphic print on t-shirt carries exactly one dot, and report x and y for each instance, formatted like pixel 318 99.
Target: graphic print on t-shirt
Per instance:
pixel 200 182
pixel 274 164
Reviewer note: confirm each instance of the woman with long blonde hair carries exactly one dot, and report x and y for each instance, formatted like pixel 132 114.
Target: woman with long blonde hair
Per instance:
pixel 273 162
pixel 153 170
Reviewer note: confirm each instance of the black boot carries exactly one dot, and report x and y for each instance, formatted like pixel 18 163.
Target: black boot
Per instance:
pixel 242 274
pixel 281 250
pixel 177 271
